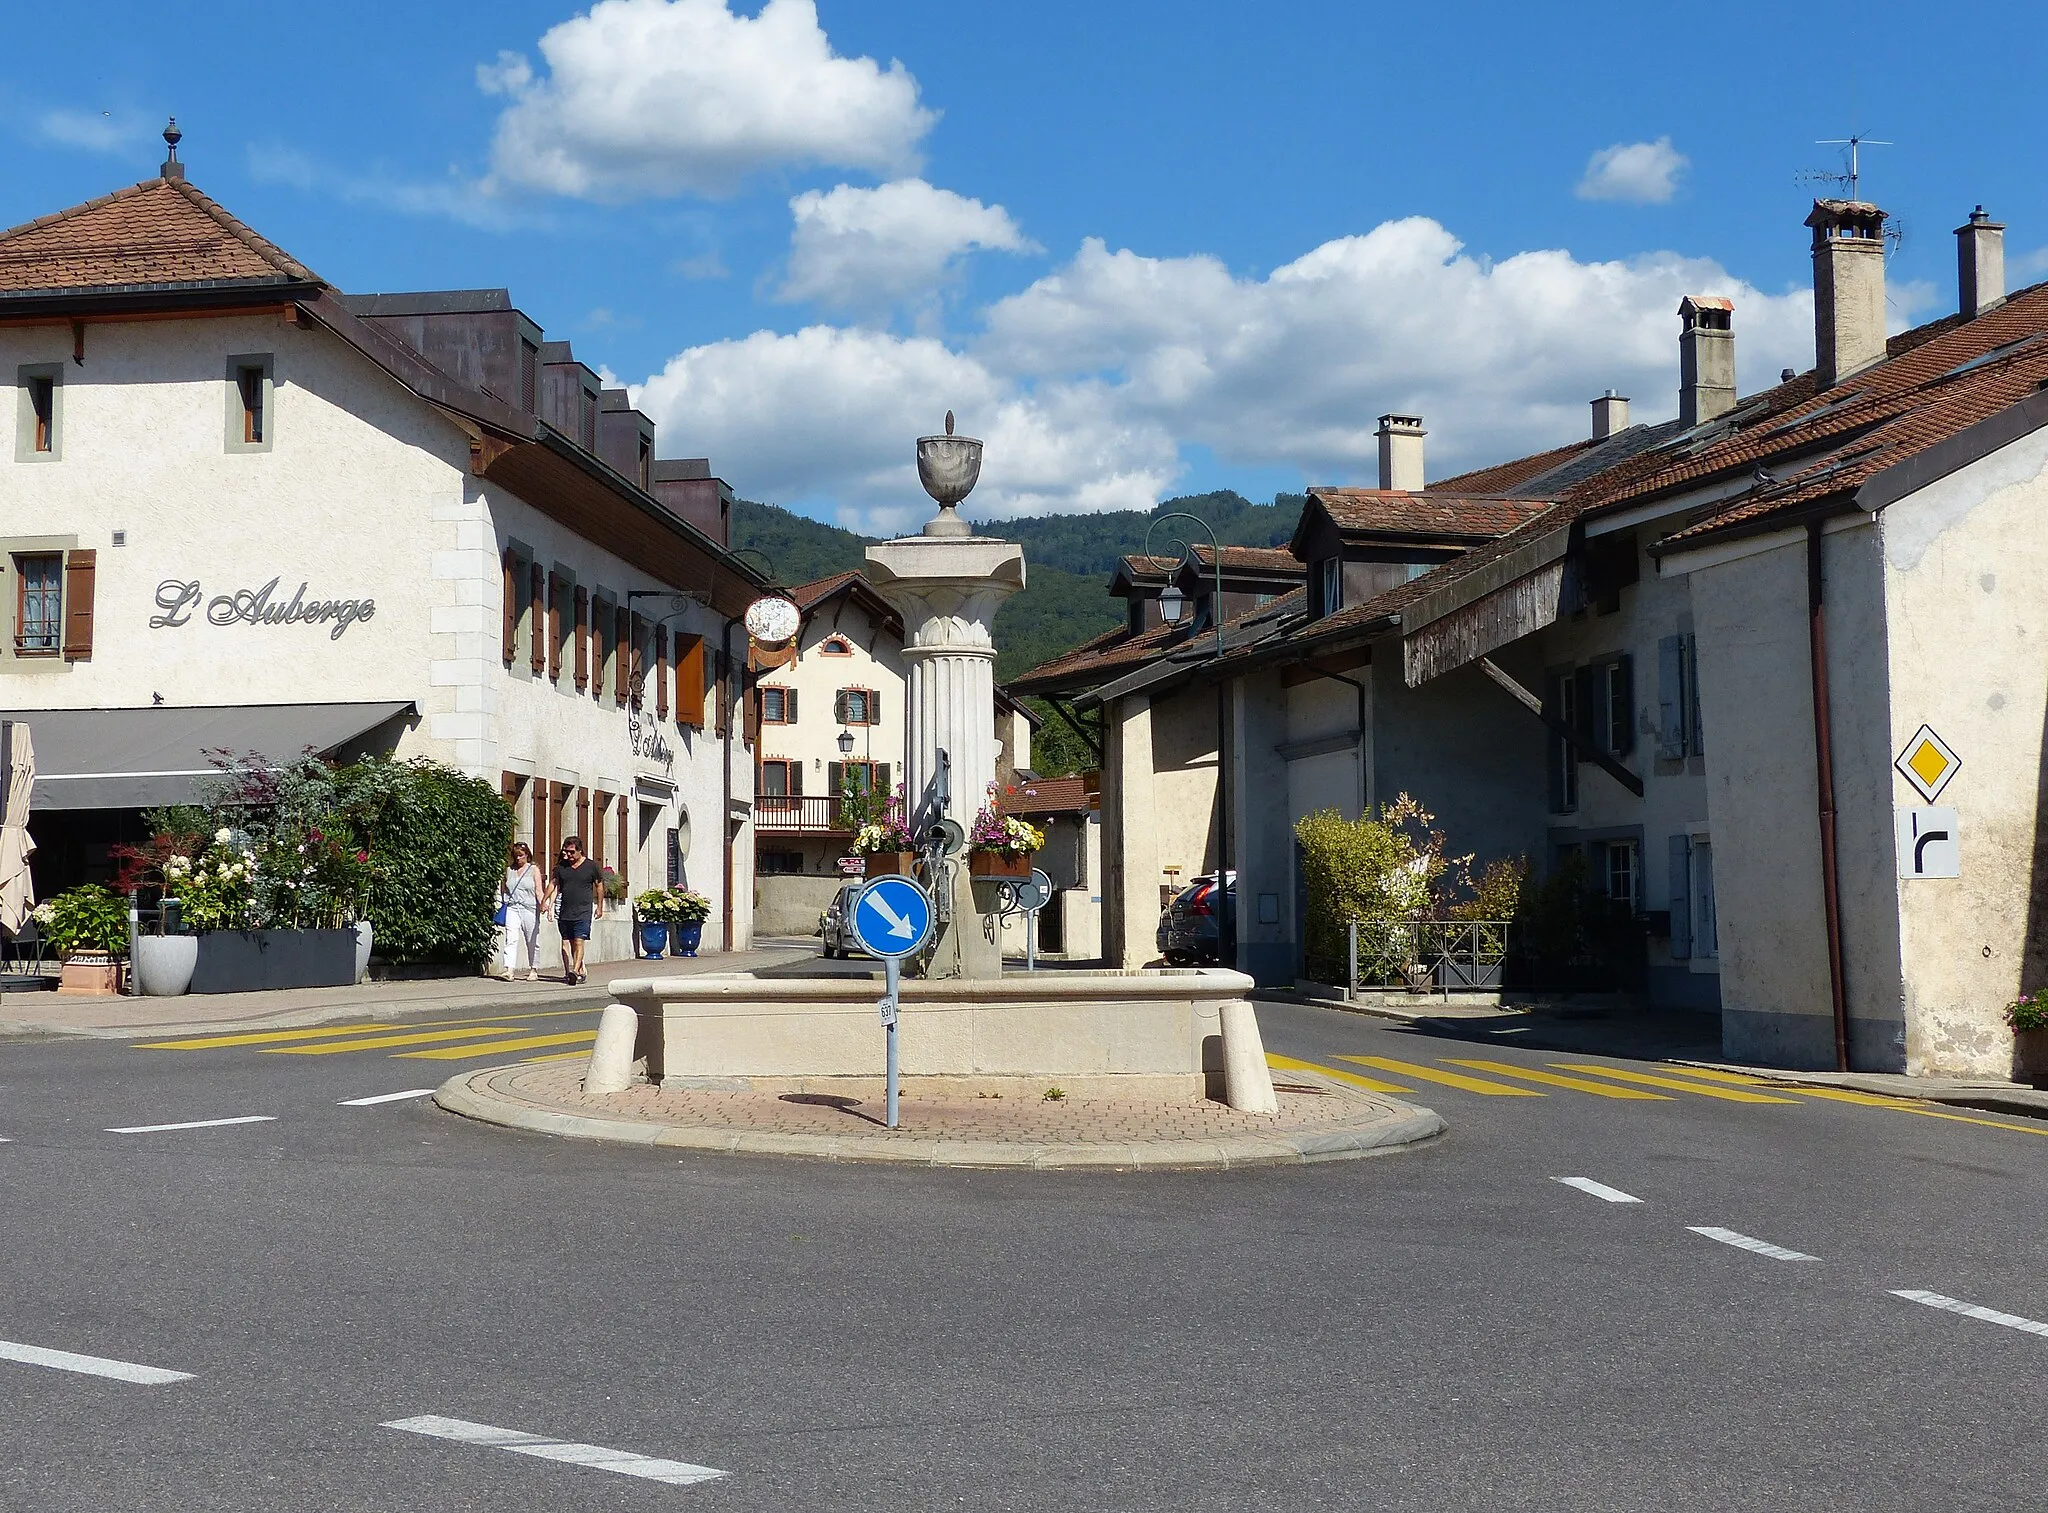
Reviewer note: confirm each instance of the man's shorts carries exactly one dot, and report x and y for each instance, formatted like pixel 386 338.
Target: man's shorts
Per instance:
pixel 576 929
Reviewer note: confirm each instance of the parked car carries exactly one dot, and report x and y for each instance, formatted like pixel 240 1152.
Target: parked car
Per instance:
pixel 1200 925
pixel 835 925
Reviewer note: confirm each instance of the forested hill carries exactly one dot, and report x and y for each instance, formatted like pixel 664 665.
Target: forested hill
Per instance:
pixel 1070 558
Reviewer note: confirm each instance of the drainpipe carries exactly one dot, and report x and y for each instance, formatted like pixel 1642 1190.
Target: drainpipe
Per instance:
pixel 725 815
pixel 1824 784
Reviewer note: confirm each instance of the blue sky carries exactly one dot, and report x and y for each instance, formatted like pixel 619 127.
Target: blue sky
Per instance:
pixel 1143 248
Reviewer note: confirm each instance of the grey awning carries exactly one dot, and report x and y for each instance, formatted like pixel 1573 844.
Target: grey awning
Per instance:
pixel 138 758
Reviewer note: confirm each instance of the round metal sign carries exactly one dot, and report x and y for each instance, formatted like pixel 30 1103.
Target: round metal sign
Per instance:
pixel 1036 893
pixel 772 619
pixel 892 917
pixel 950 838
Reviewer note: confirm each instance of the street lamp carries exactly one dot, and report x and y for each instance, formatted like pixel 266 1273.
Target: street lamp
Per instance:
pixel 845 743
pixel 1172 604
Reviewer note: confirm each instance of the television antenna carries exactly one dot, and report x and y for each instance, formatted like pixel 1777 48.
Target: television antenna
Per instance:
pixel 1852 163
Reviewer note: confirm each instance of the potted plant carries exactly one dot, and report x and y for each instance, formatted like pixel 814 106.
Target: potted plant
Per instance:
pixel 883 841
pixel 1001 845
pixel 2028 1018
pixel 614 886
pixel 88 925
pixel 687 913
pixel 651 912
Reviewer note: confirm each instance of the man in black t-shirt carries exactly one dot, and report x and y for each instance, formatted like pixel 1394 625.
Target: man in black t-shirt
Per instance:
pixel 574 883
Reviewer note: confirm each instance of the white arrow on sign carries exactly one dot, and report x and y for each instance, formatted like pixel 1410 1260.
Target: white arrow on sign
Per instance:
pixel 898 925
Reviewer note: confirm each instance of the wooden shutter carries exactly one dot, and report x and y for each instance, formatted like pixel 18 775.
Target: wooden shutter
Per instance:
pixel 795 781
pixel 1680 892
pixel 750 716
pixel 835 782
pixel 874 706
pixel 583 814
pixel 1620 706
pixel 511 606
pixel 661 672
pixel 789 706
pixel 1671 710
pixel 839 707
pixel 582 634
pixel 600 640
pixel 625 841
pixel 622 658
pixel 1692 694
pixel 556 590
pixel 536 577
pixel 80 570
pixel 690 681
pixel 882 780
pixel 636 678
pixel 543 853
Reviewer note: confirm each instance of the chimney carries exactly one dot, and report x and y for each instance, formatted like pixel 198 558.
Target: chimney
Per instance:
pixel 1610 414
pixel 1848 288
pixel 1706 358
pixel 1401 452
pixel 1980 264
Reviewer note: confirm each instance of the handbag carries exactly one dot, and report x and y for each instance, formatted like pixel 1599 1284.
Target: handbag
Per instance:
pixel 498 915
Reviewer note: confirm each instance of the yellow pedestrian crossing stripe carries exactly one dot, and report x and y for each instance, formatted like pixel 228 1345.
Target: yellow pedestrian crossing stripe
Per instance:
pixel 379 1042
pixel 1551 1079
pixel 1448 1079
pixel 265 1037
pixel 498 1047
pixel 1370 1084
pixel 1726 1094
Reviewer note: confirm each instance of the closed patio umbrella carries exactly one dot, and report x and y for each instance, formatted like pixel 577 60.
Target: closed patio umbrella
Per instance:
pixel 17 777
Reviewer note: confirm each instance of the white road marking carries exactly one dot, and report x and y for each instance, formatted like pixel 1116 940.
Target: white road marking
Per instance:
pixel 1971 1310
pixel 151 1129
pixel 1750 1242
pixel 1598 1189
pixel 676 1473
pixel 91 1365
pixel 416 1092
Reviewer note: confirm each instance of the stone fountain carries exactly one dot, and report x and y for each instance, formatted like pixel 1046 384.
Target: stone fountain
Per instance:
pixel 948 583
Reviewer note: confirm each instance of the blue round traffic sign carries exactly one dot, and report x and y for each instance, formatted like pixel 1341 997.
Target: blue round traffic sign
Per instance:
pixel 892 917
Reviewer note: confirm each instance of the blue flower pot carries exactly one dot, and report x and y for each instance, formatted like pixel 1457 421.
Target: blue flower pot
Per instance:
pixel 685 939
pixel 653 939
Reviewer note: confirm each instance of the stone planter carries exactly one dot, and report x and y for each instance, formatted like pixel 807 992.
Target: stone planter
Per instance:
pixel 889 863
pixel 248 961
pixel 684 939
pixel 164 964
pixel 653 936
pixel 2029 1056
pixel 90 972
pixel 363 943
pixel 996 864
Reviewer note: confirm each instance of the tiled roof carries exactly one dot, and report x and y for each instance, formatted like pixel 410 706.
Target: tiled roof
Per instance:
pixel 1508 477
pixel 1045 796
pixel 1432 512
pixel 162 232
pixel 809 595
pixel 1262 559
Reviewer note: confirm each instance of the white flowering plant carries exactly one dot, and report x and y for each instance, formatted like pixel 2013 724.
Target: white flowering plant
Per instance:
pixel 1002 833
pixel 884 829
pixel 217 888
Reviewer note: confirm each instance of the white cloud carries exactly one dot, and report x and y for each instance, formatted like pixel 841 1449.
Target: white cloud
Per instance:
pixel 1638 173
pixel 457 198
pixel 103 131
pixel 1089 384
pixel 866 250
pixel 665 97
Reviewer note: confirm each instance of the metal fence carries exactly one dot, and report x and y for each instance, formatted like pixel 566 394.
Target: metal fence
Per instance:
pixel 1445 954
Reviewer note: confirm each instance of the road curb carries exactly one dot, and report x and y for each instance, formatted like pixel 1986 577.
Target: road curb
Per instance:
pixel 1387 1127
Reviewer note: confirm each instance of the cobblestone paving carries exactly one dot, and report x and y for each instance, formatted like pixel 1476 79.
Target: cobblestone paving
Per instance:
pixel 559 1086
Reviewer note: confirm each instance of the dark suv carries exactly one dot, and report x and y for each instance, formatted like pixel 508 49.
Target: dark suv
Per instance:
pixel 1200 925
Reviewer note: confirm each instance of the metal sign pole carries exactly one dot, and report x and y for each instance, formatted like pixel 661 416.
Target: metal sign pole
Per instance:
pixel 893 966
pixel 1031 940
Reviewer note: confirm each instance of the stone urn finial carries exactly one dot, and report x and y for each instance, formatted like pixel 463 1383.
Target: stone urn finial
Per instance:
pixel 948 466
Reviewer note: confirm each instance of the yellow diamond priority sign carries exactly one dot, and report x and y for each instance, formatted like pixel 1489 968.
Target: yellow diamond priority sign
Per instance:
pixel 1927 763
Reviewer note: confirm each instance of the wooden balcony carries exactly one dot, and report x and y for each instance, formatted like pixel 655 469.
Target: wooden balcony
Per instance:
pixel 819 815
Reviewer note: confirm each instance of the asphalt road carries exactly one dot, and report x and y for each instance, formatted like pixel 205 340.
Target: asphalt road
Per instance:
pixel 1445 1328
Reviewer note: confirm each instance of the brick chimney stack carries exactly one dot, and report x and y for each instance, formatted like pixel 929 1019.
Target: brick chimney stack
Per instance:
pixel 1848 288
pixel 1706 358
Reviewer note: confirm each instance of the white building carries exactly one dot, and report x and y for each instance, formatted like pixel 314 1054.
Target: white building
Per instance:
pixel 243 510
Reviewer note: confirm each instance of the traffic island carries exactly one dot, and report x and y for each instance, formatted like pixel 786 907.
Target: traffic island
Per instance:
pixel 1049 1128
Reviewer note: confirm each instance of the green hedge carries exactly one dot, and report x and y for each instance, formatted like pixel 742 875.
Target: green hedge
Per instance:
pixel 439 840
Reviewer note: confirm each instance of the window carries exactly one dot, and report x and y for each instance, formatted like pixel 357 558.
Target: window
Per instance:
pixel 836 646
pixel 778 706
pixel 1333 584
pixel 1617 713
pixel 782 783
pixel 529 375
pixel 586 421
pixel 250 395
pixel 1623 875
pixel 779 862
pixel 646 474
pixel 858 706
pixel 39 413
pixel 39 604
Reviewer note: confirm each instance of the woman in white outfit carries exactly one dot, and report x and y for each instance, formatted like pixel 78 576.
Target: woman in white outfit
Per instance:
pixel 519 893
